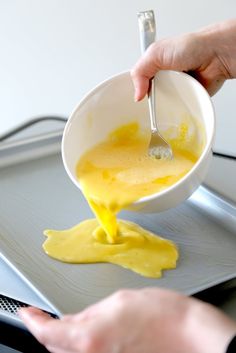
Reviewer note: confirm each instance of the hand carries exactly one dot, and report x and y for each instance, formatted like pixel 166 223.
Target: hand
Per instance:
pixel 135 321
pixel 209 55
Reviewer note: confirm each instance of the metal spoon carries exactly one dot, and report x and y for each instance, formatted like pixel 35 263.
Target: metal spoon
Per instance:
pixel 158 147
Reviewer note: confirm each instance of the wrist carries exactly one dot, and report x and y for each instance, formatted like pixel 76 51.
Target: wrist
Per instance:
pixel 208 330
pixel 220 38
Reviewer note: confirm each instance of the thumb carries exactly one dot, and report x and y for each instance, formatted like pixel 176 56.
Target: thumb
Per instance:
pixel 143 71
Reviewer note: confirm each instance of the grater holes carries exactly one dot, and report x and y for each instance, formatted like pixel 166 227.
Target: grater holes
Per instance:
pixel 10 305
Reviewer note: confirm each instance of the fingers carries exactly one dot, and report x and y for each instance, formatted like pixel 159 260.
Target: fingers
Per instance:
pixel 48 331
pixel 215 86
pixel 181 53
pixel 143 71
pixel 53 349
pixel 188 53
pixel 141 84
pixel 71 334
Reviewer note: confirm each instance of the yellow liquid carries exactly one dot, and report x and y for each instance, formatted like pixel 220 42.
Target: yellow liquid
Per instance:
pixel 113 175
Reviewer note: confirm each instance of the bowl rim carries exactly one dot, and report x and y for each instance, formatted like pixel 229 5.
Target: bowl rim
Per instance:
pixel 206 151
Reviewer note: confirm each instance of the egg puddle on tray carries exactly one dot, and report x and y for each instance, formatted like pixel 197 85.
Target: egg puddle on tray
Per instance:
pixel 113 175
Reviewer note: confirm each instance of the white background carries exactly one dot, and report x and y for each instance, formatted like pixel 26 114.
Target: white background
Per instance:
pixel 53 52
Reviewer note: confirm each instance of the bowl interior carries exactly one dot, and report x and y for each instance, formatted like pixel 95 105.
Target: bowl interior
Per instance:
pixel 179 98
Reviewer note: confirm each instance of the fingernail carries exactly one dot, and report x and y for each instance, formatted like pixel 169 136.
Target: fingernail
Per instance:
pixel 136 96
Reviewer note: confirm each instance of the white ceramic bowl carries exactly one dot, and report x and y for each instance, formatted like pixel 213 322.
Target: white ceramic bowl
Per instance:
pixel 111 104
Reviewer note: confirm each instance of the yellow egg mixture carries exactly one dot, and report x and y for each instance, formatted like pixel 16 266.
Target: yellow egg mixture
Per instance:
pixel 113 175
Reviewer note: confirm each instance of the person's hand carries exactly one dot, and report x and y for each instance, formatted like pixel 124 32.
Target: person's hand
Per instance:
pixel 209 55
pixel 135 321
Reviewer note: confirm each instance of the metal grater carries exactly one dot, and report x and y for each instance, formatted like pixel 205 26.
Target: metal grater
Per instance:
pixel 8 311
pixel 9 308
pixel 10 305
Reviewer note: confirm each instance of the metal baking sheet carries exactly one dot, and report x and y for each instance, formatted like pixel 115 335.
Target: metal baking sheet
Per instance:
pixel 37 194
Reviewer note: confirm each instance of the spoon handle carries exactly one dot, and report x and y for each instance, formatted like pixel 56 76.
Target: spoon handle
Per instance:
pixel 147 28
pixel 147 31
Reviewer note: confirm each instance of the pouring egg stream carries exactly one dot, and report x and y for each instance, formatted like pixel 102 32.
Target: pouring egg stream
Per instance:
pixel 113 175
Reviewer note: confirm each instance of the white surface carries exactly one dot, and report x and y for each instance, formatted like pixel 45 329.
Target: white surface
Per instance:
pixel 54 51
pixel 110 105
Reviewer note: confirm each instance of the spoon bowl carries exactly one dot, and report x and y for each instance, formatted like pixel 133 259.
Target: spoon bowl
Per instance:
pixel 159 148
